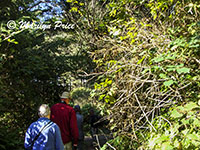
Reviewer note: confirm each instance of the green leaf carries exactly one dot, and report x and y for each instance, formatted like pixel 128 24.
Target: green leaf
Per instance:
pixel 174 47
pixel 183 70
pixel 145 70
pixel 180 108
pixel 101 96
pixel 176 143
pixel 176 114
pixel 170 69
pixel 161 139
pixel 109 82
pixel 97 86
pixel 140 61
pixel 74 9
pixel 101 25
pixel 109 99
pixel 168 83
pixel 113 126
pixel 185 131
pixel 195 78
pixel 12 41
pixel 192 137
pixel 196 122
pixel 158 59
pixel 157 67
pixel 181 65
pixel 163 76
pixel 166 146
pixel 155 16
pixel 81 4
pixel 190 106
pixel 185 121
pixel 171 57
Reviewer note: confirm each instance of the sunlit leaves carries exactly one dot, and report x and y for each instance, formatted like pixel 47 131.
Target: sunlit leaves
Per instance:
pixel 190 106
pixel 159 8
pixel 183 130
pixel 12 41
pixel 163 57
pixel 163 76
pixel 75 9
pixel 176 114
pixel 158 65
pixel 183 70
pixel 140 61
pixel 168 83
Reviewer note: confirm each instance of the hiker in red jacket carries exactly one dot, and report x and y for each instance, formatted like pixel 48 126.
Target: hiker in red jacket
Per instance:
pixel 65 117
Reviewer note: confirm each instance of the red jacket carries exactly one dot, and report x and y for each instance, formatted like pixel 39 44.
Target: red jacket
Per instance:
pixel 65 117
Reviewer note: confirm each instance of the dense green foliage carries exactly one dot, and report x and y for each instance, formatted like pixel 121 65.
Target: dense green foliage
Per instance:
pixel 36 66
pixel 180 131
pixel 150 62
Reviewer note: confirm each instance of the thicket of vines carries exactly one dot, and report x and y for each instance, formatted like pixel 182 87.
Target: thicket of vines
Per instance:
pixel 149 74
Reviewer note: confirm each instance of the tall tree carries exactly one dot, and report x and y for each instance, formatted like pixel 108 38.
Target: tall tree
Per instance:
pixel 33 65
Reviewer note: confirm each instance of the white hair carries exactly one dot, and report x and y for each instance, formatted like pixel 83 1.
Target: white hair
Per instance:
pixel 44 110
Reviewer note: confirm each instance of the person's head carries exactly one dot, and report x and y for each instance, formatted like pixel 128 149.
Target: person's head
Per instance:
pixel 91 111
pixel 44 111
pixel 65 97
pixel 77 108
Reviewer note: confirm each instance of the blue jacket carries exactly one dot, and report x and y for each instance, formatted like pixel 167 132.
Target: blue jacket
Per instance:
pixel 79 118
pixel 49 139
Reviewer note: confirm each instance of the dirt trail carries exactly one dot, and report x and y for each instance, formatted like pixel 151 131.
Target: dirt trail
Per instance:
pixel 90 145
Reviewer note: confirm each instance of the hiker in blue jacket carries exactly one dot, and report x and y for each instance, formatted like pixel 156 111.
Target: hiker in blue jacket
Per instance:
pixel 43 134
pixel 79 118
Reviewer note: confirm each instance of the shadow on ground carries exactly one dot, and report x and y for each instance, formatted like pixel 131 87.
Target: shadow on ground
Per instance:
pixel 92 144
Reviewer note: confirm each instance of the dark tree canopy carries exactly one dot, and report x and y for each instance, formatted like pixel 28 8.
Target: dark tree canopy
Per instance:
pixel 137 61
